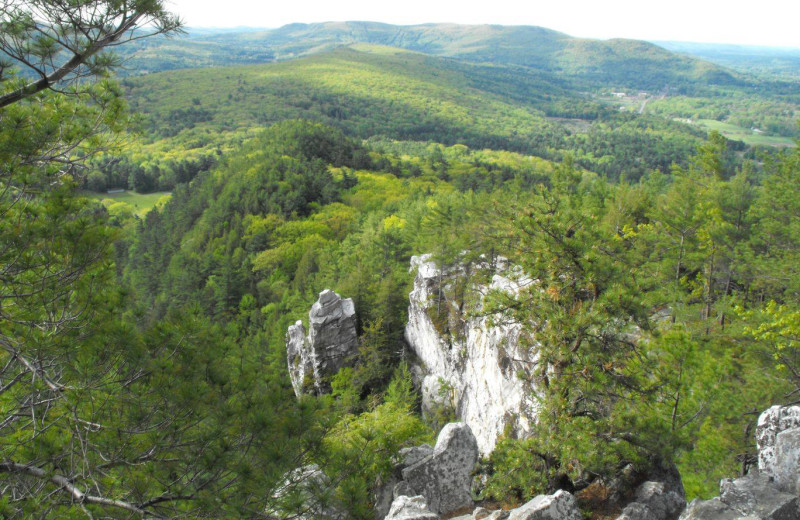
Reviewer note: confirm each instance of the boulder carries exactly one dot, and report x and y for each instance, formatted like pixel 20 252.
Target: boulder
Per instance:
pixel 655 500
pixel 410 508
pixel 444 476
pixel 331 344
pixel 778 439
pixel 755 495
pixel 752 497
pixel 636 511
pixel 559 506
pixel 713 509
pixel 469 362
pixel 786 465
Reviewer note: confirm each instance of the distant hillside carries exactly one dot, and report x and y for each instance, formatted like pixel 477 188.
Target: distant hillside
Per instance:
pixel 621 63
pixel 779 61
pixel 382 91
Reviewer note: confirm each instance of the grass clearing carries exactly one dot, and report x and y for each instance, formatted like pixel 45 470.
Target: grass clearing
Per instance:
pixel 140 203
pixel 745 134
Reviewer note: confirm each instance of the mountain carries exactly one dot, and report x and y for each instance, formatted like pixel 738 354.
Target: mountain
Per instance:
pixel 617 62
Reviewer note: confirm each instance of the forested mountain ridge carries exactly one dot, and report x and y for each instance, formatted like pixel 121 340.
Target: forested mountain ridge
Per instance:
pixel 618 62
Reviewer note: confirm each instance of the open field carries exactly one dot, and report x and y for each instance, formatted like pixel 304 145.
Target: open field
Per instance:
pixel 745 134
pixel 140 202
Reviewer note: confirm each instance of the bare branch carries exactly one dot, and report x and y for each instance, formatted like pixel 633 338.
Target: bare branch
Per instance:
pixel 71 28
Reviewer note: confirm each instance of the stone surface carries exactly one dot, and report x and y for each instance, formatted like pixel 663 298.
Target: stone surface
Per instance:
pixel 656 500
pixel 637 511
pixel 786 466
pixel 474 366
pixel 301 371
pixel 755 495
pixel 498 515
pixel 403 488
pixel 559 506
pixel 411 456
pixel 713 509
pixel 383 496
pixel 410 508
pixel 781 467
pixel 752 497
pixel 444 476
pixel 480 513
pixel 331 344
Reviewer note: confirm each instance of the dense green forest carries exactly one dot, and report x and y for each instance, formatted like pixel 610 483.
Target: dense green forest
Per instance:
pixel 191 116
pixel 142 356
pixel 372 91
pixel 618 62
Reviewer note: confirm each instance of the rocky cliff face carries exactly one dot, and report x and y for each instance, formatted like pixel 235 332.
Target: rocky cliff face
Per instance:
pixel 331 344
pixel 469 361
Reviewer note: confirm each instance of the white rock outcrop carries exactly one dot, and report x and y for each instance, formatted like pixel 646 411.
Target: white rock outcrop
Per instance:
pixel 332 343
pixel 778 439
pixel 475 366
pixel 443 477
pixel 662 499
pixel 410 508
pixel 559 506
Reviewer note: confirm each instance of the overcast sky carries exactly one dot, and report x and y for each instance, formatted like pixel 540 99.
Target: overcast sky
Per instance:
pixel 764 22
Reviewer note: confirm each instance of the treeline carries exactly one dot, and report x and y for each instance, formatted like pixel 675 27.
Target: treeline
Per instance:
pixel 144 175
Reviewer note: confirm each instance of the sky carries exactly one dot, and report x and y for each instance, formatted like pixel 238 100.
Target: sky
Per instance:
pixel 765 22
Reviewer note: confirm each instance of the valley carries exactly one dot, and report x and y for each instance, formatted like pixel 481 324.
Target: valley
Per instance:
pixel 264 272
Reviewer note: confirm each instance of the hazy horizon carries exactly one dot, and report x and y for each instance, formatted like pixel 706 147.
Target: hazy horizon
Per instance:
pixel 690 21
pixel 253 28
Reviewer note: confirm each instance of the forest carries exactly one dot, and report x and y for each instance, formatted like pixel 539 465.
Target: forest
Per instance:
pixel 143 368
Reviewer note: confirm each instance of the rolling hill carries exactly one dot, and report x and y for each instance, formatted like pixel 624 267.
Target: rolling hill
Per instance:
pixel 782 62
pixel 369 91
pixel 617 62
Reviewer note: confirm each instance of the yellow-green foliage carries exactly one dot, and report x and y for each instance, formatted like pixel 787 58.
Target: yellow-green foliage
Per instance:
pixel 131 203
